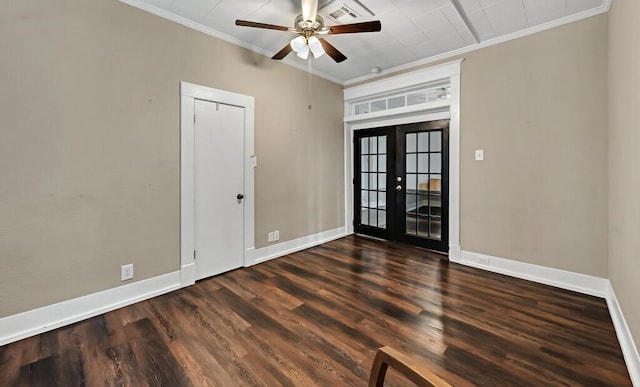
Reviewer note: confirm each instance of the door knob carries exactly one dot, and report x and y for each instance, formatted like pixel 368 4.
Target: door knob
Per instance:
pixel 398 188
pixel 240 196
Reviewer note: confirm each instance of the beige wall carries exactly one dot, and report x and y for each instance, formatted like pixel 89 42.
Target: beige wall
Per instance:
pixel 89 145
pixel 538 107
pixel 624 159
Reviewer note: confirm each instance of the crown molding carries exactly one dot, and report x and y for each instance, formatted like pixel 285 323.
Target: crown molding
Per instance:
pixel 219 35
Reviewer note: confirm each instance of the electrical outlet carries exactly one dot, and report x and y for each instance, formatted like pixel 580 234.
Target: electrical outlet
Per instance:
pixel 126 272
pixel 479 154
pixel 273 236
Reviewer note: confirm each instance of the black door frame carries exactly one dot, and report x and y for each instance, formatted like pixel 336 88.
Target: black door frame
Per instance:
pixel 396 226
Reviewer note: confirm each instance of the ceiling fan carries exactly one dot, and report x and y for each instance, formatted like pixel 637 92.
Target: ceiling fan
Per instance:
pixel 310 26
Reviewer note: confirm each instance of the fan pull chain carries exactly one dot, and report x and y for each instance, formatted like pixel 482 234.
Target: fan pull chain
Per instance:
pixel 309 69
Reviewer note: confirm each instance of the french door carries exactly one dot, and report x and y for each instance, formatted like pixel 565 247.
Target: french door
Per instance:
pixel 401 183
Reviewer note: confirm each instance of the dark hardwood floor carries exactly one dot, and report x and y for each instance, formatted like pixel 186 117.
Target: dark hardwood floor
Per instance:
pixel 317 317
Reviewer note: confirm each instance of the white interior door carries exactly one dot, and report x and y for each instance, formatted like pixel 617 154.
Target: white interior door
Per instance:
pixel 218 187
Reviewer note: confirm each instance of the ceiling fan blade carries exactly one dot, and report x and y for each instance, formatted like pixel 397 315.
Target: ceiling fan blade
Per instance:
pixel 246 23
pixel 372 26
pixel 309 9
pixel 332 51
pixel 282 53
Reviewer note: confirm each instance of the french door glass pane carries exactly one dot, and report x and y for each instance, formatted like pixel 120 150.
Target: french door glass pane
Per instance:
pixel 435 163
pixel 411 143
pixel 411 163
pixel 382 163
pixel 364 163
pixel 435 141
pixel 382 145
pixel 423 142
pixel 373 181
pixel 423 171
pixel 373 145
pixel 364 216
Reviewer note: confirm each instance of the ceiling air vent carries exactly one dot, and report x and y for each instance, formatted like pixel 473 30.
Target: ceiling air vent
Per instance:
pixel 345 11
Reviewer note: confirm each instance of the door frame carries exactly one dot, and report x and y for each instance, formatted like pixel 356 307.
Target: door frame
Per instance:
pixel 188 94
pixel 450 72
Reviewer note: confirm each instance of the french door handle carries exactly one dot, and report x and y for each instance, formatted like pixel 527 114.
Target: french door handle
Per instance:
pixel 398 188
pixel 240 196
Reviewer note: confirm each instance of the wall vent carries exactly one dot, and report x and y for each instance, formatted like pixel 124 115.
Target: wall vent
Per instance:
pixel 345 11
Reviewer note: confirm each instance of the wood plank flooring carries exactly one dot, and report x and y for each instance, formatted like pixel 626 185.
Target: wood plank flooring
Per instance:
pixel 317 317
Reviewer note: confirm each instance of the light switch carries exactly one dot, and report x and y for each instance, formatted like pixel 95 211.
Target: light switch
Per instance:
pixel 479 154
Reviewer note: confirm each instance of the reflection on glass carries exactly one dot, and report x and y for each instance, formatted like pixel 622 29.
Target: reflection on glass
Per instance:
pixel 364 198
pixel 423 182
pixel 435 206
pixel 423 162
pixel 435 229
pixel 411 163
pixel 379 105
pixel 373 218
pixel 382 163
pixel 411 182
pixel 423 226
pixel 435 143
pixel 435 164
pixel 382 181
pixel 411 202
pixel 382 219
pixel 373 199
pixel 373 181
pixel 435 184
pixel 411 225
pixel 416 98
pixel 396 102
pixel 382 144
pixel 423 142
pixel 364 216
pixel 411 143
pixel 364 145
pixel 382 200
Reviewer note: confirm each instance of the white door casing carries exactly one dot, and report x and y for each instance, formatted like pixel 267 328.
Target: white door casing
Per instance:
pixel 419 113
pixel 218 180
pixel 189 93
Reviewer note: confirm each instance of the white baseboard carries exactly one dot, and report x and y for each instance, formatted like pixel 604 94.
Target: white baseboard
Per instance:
pixel 581 283
pixel 576 282
pixel 455 253
pixel 628 346
pixel 188 274
pixel 36 321
pixel 281 249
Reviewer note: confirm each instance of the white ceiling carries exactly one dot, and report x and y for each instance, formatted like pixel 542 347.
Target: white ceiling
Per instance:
pixel 413 31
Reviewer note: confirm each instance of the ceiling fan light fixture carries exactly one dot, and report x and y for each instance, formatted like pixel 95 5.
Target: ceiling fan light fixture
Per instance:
pixel 316 47
pixel 304 54
pixel 298 44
